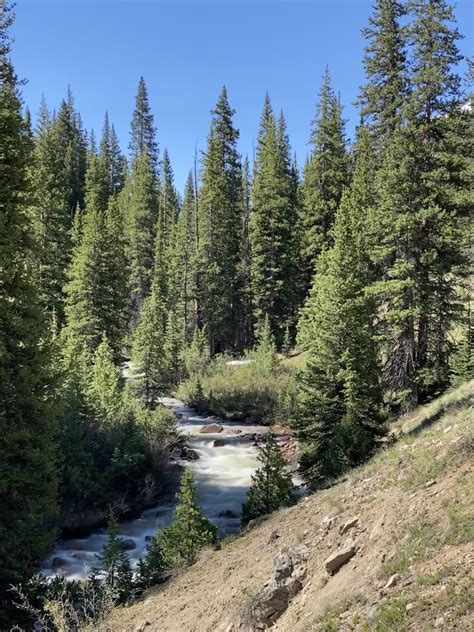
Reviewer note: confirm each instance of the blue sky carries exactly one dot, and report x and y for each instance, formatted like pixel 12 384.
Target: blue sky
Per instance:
pixel 186 50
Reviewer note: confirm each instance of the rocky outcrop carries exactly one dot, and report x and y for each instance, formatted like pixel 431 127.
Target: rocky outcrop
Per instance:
pixel 340 557
pixel 275 596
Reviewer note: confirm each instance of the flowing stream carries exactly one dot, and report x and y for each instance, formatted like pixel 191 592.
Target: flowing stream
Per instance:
pixel 223 475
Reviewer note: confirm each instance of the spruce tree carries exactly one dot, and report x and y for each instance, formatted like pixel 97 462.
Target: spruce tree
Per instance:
pixel 96 293
pixel 325 175
pixel 220 233
pixel 116 567
pixel 105 388
pixel 51 212
pixel 183 266
pixel 113 161
pixel 165 232
pixel 28 457
pixel 139 204
pixel 423 219
pixel 385 65
pixel 339 398
pixel 271 483
pixel 190 530
pixel 148 349
pixel 143 131
pixel 273 231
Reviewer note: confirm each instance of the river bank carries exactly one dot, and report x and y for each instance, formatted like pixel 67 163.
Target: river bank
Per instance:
pixel 227 458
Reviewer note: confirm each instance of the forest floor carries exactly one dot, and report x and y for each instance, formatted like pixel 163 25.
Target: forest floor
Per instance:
pixel 413 540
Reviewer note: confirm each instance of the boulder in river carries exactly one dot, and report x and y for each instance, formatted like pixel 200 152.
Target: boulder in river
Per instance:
pixel 212 428
pixel 128 544
pixel 188 453
pixel 217 443
pixel 58 562
pixel 227 514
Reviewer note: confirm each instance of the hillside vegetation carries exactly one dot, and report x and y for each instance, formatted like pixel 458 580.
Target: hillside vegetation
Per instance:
pixel 413 537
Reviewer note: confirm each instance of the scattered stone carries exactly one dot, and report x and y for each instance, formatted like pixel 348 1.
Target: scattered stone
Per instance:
pixel 349 525
pixel 327 522
pixel 211 428
pixel 409 606
pixel 340 557
pixel 235 431
pixel 58 562
pixel 227 514
pixel 217 443
pixel 128 544
pixel 274 535
pixel 431 483
pixel 393 581
pixel 141 626
pixel 447 429
pixel 439 622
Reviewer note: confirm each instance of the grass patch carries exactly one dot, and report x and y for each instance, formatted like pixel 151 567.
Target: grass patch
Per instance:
pixel 330 620
pixel 391 615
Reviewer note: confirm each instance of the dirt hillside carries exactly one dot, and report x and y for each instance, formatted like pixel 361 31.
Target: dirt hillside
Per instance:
pixel 403 524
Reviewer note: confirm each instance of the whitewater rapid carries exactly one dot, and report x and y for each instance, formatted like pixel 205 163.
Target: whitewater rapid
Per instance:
pixel 223 476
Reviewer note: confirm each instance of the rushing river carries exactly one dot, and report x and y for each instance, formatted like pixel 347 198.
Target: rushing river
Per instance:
pixel 223 476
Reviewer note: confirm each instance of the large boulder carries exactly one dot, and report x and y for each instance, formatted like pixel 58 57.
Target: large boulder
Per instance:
pixel 340 557
pixel 218 443
pixel 212 428
pixel 128 544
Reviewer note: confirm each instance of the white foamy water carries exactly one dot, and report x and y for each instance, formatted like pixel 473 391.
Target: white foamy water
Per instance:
pixel 223 476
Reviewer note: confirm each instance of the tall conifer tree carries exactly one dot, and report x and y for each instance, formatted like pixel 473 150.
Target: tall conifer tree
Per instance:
pixel 28 468
pixel 220 233
pixel 325 175
pixel 273 228
pixel 143 131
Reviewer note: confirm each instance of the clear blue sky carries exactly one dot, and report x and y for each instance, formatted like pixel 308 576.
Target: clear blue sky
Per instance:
pixel 186 50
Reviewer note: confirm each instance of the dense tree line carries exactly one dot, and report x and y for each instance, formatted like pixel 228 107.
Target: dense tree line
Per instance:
pixel 361 260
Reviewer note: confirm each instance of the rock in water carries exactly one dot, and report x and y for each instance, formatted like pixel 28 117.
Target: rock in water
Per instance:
pixel 212 428
pixel 340 557
pixel 128 544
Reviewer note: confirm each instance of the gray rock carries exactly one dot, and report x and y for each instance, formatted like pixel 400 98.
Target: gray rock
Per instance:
pixel 141 626
pixel 227 514
pixel 218 443
pixel 274 535
pixel 340 557
pixel 128 544
pixel 440 621
pixel 212 428
pixel 327 522
pixel 271 604
pixel 349 525
pixel 283 566
pixel 58 562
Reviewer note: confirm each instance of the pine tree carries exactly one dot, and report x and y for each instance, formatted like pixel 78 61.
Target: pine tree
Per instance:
pixel 183 266
pixel 139 204
pixel 172 346
pixel 423 225
pixel 148 349
pixel 116 566
pixel 220 233
pixel 111 158
pixel 271 483
pixel 97 288
pixel 165 232
pixel 143 131
pixel 339 398
pixel 325 175
pixel 151 569
pixel 190 530
pixel 105 388
pixel 462 360
pixel 28 458
pixel 246 258
pixel 385 65
pixel 266 351
pixel 51 212
pixel 273 231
